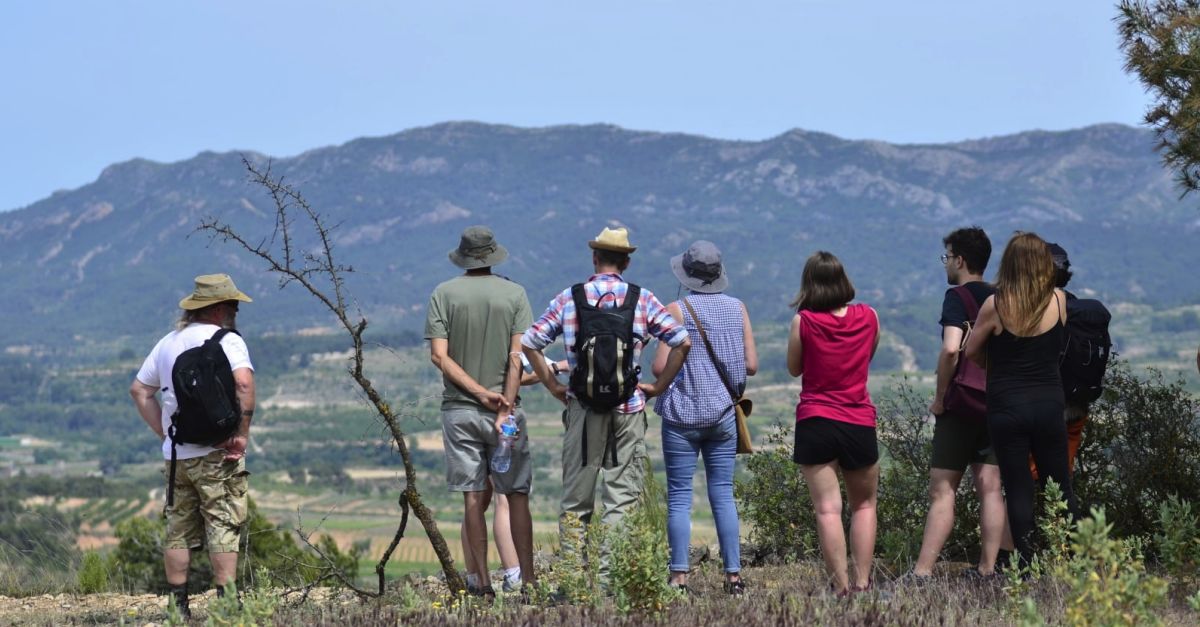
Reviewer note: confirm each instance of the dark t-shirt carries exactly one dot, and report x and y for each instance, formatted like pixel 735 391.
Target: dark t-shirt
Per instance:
pixel 954 312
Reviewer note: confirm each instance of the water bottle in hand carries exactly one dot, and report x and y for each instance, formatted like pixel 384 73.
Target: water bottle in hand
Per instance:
pixel 502 458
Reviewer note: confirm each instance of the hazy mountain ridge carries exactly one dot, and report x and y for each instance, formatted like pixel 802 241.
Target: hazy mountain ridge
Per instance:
pixel 115 255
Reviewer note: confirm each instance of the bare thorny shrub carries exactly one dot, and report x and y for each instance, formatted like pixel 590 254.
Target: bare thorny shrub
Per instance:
pixel 317 272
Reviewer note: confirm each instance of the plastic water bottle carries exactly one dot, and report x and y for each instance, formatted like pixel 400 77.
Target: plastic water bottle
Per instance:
pixel 502 458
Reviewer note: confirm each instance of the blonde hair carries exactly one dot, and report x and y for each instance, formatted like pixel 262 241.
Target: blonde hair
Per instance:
pixel 1024 283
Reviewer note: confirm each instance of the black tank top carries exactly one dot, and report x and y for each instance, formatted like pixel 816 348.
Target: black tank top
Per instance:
pixel 1024 369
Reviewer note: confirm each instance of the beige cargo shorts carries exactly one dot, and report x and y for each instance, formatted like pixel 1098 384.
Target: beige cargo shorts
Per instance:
pixel 211 503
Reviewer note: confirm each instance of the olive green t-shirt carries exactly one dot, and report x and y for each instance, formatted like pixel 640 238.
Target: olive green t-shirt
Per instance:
pixel 477 315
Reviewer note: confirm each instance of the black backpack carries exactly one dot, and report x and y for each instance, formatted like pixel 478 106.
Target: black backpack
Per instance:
pixel 208 412
pixel 1086 350
pixel 605 374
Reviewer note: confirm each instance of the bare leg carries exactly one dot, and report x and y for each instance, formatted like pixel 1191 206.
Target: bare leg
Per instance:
pixel 862 488
pixel 939 522
pixel 503 534
pixel 826 495
pixel 475 534
pixel 224 567
pixel 177 561
pixel 522 534
pixel 993 521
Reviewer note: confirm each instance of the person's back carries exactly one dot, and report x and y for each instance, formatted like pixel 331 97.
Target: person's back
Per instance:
pixel 1022 368
pixel 837 356
pixel 478 314
pixel 698 397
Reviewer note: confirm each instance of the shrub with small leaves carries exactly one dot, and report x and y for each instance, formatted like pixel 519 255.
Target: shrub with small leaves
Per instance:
pixel 640 554
pixel 773 500
pixel 574 575
pixel 1177 540
pixel 255 607
pixel 1107 580
pixel 93 574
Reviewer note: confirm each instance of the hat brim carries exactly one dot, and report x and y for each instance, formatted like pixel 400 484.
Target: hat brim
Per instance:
pixel 493 258
pixel 613 247
pixel 192 303
pixel 720 284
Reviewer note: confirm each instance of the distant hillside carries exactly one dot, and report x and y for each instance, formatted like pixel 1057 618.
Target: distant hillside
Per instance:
pixel 113 257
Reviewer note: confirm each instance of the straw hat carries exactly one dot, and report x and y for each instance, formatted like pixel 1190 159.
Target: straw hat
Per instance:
pixel 212 289
pixel 699 268
pixel 477 249
pixel 616 240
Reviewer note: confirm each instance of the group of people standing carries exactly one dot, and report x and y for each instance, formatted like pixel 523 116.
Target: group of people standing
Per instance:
pixel 485 342
pixel 1012 329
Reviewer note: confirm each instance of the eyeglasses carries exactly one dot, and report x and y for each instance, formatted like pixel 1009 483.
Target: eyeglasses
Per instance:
pixel 947 257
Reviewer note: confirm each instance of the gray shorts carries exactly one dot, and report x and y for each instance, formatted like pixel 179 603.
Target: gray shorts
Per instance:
pixel 469 437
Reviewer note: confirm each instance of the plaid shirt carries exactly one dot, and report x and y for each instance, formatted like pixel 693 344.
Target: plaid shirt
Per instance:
pixel 650 319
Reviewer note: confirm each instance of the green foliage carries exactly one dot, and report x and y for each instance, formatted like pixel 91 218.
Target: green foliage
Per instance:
pixel 1106 579
pixel 906 437
pixel 640 554
pixel 267 551
pixel 255 607
pixel 774 502
pixel 1161 47
pixel 1177 540
pixel 93 574
pixel 1140 447
pixel 575 577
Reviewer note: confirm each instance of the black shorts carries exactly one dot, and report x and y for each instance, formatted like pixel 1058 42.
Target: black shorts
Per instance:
pixel 821 440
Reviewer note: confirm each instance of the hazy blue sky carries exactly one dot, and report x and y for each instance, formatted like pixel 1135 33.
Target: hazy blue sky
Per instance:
pixel 86 84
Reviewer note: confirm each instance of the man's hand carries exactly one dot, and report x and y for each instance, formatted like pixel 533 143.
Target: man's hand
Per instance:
pixel 235 447
pixel 493 400
pixel 558 390
pixel 936 408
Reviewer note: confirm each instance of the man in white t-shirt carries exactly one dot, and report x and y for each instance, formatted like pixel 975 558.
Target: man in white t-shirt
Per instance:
pixel 210 502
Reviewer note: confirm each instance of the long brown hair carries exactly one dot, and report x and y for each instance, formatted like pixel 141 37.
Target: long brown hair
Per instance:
pixel 1024 283
pixel 824 285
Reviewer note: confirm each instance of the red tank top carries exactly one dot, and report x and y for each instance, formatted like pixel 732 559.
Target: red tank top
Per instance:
pixel 837 354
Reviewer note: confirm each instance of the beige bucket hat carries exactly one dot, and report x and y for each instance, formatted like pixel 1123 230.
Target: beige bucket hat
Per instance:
pixel 616 240
pixel 212 289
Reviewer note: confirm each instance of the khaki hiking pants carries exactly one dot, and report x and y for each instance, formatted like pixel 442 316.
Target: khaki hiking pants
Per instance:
pixel 619 485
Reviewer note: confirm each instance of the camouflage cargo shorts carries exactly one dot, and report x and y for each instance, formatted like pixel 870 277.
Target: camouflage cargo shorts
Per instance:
pixel 211 503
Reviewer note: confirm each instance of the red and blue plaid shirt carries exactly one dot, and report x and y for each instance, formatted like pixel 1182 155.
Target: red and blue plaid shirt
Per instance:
pixel 650 319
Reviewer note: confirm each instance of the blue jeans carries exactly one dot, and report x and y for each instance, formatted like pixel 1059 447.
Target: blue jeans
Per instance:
pixel 681 445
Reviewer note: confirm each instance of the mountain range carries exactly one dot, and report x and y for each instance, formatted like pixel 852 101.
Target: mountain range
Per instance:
pixel 112 258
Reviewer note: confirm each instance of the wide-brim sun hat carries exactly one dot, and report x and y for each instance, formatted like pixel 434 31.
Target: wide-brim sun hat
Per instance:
pixel 477 249
pixel 700 269
pixel 212 289
pixel 616 240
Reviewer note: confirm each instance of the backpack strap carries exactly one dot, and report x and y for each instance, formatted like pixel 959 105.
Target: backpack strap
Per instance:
pixel 969 303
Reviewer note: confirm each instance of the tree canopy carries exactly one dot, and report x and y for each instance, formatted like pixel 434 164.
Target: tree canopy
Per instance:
pixel 1161 43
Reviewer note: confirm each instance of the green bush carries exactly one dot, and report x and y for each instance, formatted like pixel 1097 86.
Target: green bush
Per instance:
pixel 773 501
pixel 905 435
pixel 574 576
pixel 1140 447
pixel 1106 578
pixel 1177 540
pixel 640 555
pixel 265 548
pixel 93 574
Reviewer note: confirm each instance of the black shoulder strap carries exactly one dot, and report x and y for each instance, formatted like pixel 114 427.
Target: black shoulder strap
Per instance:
pixel 632 294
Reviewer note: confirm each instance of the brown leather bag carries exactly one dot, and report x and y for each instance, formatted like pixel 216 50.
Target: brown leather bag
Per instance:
pixel 742 406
